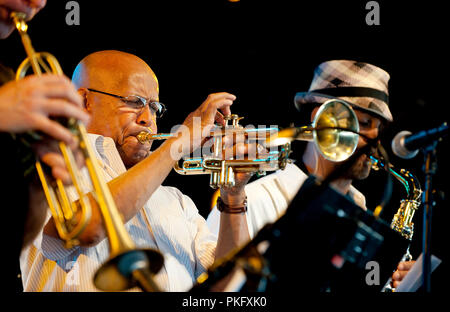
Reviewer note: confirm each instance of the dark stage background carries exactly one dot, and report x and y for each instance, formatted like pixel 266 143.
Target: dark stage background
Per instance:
pixel 265 52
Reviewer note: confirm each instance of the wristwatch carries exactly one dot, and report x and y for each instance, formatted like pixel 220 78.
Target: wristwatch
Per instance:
pixel 222 207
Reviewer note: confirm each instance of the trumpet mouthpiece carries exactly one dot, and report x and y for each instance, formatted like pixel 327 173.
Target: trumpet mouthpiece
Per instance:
pixel 145 136
pixel 142 137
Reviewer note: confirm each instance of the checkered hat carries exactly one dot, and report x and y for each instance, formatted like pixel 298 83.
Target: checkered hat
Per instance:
pixel 362 85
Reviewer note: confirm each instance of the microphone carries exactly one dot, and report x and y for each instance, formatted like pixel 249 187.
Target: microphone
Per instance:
pixel 406 145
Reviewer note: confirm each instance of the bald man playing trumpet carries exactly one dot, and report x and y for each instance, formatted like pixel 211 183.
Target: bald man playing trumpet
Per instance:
pixel 120 92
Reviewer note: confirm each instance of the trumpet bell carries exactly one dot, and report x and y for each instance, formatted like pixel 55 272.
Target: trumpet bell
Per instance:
pixel 334 131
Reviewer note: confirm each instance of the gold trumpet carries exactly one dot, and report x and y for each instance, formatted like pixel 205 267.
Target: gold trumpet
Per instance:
pixel 63 212
pixel 222 171
pixel 127 266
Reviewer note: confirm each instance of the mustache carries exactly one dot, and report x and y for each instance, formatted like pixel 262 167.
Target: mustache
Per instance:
pixel 370 148
pixel 373 151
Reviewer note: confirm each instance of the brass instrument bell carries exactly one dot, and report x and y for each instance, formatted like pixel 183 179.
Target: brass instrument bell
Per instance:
pixel 334 131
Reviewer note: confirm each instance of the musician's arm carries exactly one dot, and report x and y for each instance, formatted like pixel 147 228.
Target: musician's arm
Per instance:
pixel 130 192
pixel 132 189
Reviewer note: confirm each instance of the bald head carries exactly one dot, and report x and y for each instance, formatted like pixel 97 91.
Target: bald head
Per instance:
pixel 118 74
pixel 109 70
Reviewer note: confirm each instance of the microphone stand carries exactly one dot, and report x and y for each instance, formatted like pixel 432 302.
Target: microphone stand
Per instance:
pixel 429 168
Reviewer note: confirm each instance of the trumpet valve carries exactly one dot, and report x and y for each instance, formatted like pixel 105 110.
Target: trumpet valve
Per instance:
pixel 234 120
pixel 214 180
pixel 19 21
pixel 230 182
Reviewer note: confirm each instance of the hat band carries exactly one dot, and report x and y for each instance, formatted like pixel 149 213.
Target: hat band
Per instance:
pixel 354 92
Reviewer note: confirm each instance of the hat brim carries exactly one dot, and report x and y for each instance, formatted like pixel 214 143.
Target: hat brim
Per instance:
pixel 307 98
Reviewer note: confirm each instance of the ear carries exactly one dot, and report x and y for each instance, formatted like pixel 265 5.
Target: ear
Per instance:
pixel 84 95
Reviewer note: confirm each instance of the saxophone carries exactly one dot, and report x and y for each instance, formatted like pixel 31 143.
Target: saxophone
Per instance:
pixel 402 220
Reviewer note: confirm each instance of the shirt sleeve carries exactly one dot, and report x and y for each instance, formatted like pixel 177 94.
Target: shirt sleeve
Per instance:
pixel 53 248
pixel 213 221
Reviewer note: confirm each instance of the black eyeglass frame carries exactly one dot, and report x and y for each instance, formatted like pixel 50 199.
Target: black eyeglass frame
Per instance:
pixel 159 113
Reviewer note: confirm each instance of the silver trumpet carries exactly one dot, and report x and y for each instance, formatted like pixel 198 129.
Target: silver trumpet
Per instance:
pixel 222 171
pixel 334 131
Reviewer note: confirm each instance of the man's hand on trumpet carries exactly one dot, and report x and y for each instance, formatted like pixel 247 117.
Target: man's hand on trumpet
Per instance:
pixel 238 147
pixel 234 225
pixel 49 153
pixel 29 7
pixel 29 103
pixel 200 122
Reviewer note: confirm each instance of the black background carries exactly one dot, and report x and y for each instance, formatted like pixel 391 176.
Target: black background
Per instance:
pixel 265 52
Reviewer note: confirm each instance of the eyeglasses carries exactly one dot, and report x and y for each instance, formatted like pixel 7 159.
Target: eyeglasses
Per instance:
pixel 139 102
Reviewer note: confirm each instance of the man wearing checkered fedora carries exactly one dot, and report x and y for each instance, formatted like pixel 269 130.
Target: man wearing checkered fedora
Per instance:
pixel 365 88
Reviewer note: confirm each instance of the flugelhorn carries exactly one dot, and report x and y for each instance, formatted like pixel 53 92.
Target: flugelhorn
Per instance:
pixel 222 171
pixel 63 212
pixel 402 222
pixel 127 266
pixel 334 131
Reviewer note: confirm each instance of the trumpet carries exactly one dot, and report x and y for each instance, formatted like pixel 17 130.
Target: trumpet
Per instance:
pixel 334 131
pixel 222 172
pixel 127 266
pixel 402 220
pixel 63 213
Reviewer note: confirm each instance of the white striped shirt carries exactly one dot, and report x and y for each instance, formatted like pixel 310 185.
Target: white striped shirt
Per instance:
pixel 169 222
